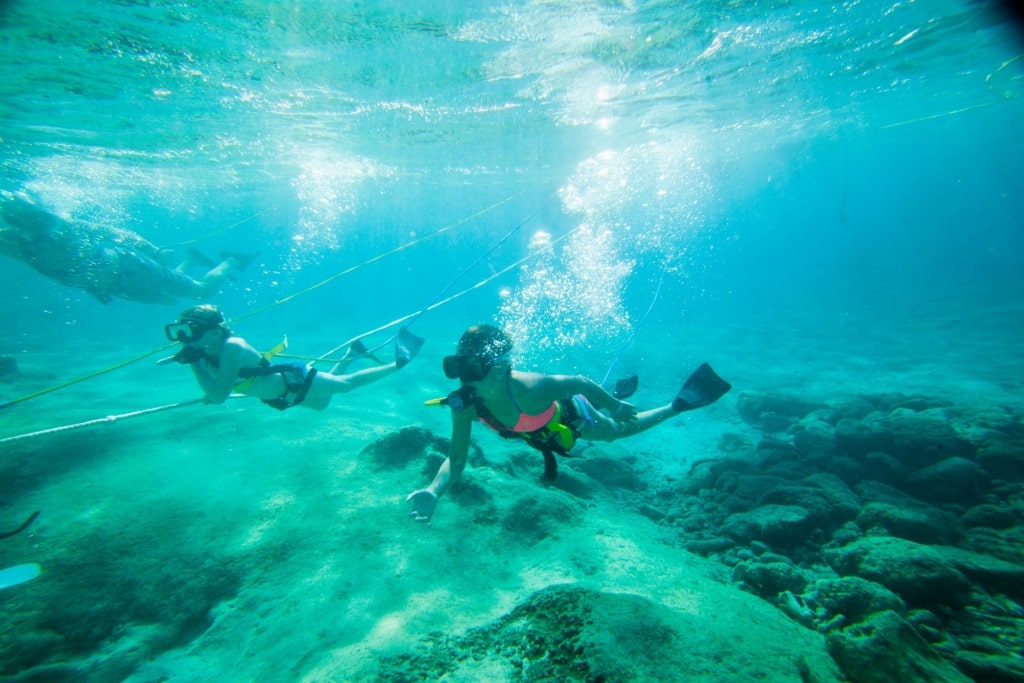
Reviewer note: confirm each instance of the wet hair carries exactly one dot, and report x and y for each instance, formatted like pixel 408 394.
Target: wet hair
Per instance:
pixel 486 342
pixel 206 316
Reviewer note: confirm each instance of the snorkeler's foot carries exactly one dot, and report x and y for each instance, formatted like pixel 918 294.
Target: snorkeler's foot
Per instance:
pixel 703 388
pixel 357 350
pixel 407 345
pixel 241 259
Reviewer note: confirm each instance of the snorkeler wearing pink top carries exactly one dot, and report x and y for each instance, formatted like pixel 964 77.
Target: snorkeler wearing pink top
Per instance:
pixel 550 412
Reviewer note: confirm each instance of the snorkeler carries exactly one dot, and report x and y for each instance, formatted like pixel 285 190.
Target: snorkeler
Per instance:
pixel 549 411
pixel 224 363
pixel 109 263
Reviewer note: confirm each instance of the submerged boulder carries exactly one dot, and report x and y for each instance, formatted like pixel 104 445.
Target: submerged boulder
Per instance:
pixel 855 598
pixel 991 667
pixel 951 480
pixel 399 448
pixel 814 439
pixel 884 468
pixel 612 472
pixel 990 516
pixel 912 521
pixel 780 526
pixel 885 648
pixel 920 574
pixel 829 500
pixel 916 439
pixel 539 515
pixel 769 578
pixel 1003 460
pixel 772 412
pixel 571 633
pixel 1005 544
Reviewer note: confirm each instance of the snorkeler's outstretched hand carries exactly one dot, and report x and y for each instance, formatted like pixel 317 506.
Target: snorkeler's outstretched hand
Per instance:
pixel 423 504
pixel 626 412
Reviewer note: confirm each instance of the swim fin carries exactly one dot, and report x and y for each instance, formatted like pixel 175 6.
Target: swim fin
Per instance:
pixel 357 350
pixel 19 573
pixel 407 345
pixel 199 258
pixel 242 258
pixel 626 387
pixel 702 388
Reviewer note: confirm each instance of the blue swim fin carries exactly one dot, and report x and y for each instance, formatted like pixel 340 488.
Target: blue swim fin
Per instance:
pixel 407 345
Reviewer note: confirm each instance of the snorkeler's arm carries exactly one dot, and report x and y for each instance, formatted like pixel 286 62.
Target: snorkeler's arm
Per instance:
pixel 451 469
pixel 219 381
pixel 425 500
pixel 202 370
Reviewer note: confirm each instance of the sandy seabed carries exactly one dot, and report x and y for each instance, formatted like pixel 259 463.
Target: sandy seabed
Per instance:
pixel 236 543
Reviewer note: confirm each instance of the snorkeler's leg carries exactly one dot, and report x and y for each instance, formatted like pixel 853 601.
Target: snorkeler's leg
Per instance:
pixel 326 385
pixel 355 351
pixel 368 376
pixel 605 428
pixel 702 388
pixel 232 261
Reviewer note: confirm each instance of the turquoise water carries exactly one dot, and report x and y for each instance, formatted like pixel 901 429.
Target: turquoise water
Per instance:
pixel 821 201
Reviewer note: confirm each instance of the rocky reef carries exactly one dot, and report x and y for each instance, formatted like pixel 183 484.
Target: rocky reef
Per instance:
pixel 892 524
pixel 868 539
pixel 572 633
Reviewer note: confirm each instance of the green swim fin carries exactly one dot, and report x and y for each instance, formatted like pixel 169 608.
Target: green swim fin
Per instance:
pixel 702 388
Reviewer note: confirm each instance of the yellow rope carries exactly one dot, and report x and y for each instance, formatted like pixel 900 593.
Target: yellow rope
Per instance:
pixel 442 302
pixel 217 232
pixel 373 259
pixel 76 380
pixel 282 345
pixel 286 299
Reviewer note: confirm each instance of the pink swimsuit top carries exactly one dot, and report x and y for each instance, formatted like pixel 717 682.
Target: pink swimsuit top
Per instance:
pixel 525 423
pixel 531 423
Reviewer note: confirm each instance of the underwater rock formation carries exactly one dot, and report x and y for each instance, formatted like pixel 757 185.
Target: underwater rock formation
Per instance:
pixel 397 449
pixel 892 523
pixel 569 633
pixel 884 648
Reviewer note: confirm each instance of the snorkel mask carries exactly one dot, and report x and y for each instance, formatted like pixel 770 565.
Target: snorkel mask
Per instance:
pixel 466 368
pixel 194 323
pixel 481 348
